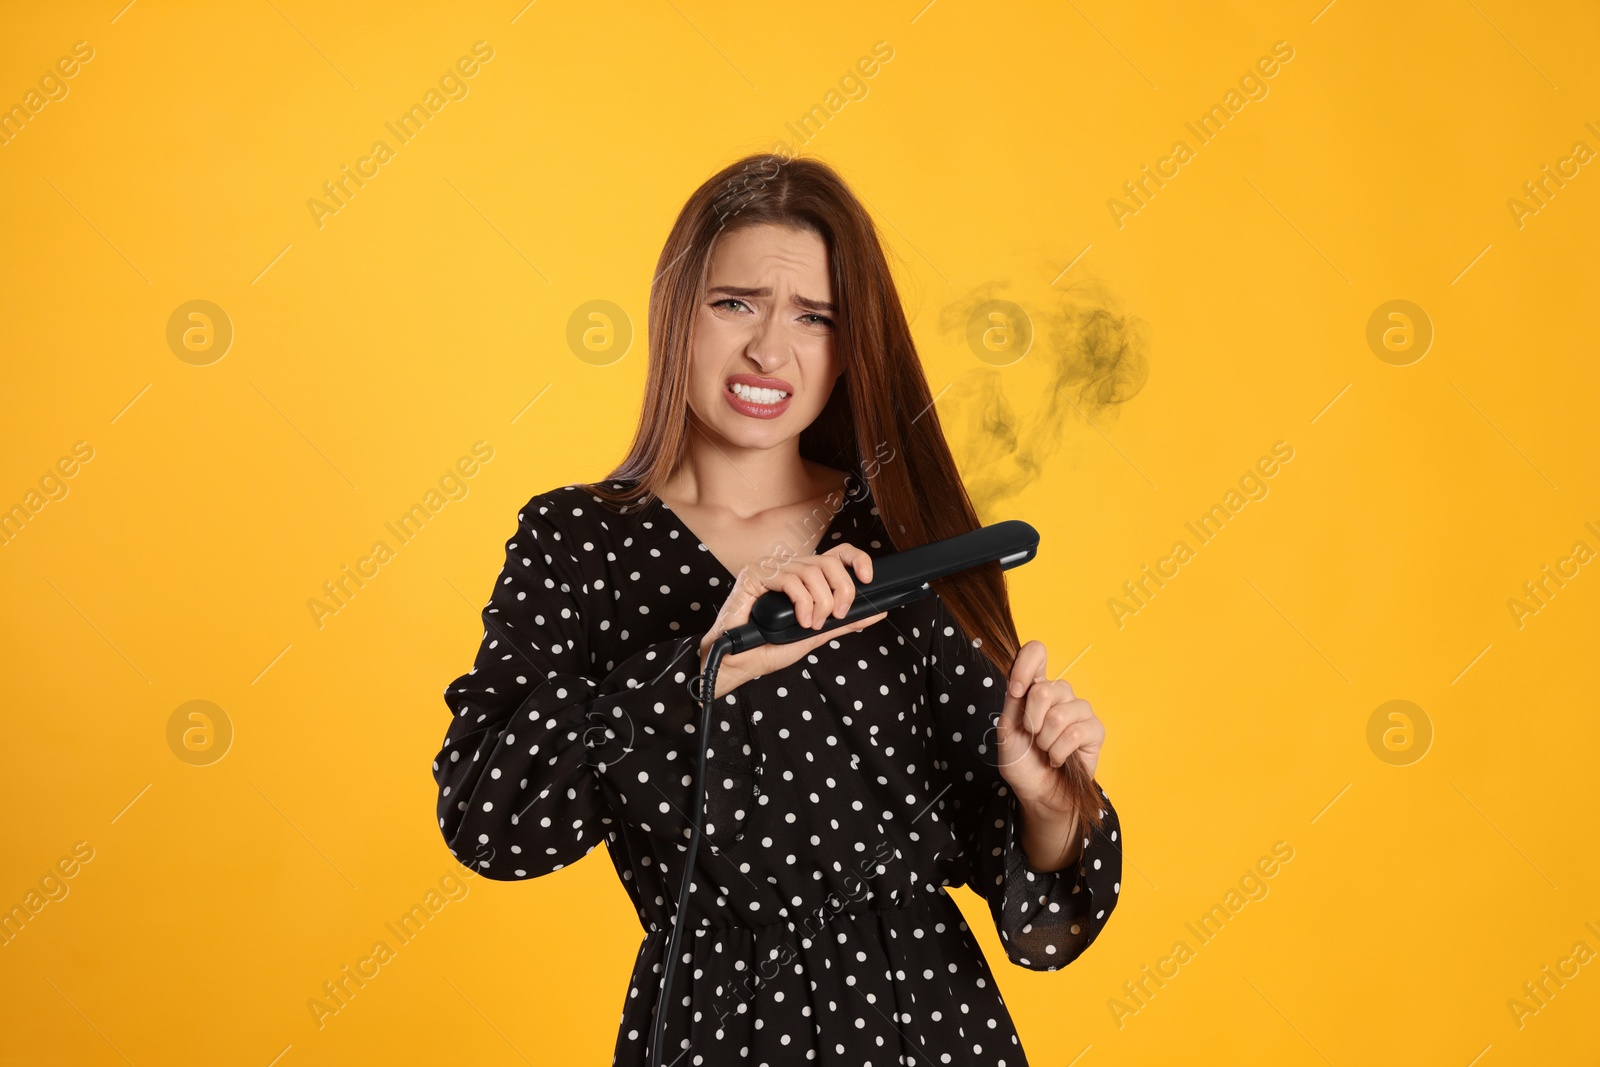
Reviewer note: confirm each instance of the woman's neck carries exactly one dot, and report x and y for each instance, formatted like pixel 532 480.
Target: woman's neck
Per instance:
pixel 746 482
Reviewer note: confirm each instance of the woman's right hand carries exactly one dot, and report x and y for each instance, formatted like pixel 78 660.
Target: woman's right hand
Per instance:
pixel 819 586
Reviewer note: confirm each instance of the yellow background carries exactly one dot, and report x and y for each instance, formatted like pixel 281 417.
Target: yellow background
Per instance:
pixel 370 353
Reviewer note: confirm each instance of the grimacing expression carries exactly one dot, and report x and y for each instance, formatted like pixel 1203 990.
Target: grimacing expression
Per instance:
pixel 767 312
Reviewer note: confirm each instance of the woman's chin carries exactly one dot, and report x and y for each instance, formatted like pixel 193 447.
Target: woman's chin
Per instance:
pixel 758 437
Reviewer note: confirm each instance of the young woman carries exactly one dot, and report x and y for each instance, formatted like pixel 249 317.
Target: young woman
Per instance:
pixel 787 438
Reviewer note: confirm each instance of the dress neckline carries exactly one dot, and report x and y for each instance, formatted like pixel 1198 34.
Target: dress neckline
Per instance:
pixel 662 506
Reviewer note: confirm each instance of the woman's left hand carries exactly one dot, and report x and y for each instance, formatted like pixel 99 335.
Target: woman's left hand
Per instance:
pixel 1042 725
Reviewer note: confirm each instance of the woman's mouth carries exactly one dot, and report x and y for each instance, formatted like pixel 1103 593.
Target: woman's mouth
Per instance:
pixel 756 401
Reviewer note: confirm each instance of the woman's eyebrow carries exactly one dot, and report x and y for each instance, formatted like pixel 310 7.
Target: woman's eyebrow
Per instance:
pixel 797 300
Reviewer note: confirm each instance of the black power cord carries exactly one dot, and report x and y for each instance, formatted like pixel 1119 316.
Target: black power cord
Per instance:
pixel 720 647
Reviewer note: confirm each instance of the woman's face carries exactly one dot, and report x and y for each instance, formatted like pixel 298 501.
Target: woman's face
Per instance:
pixel 762 361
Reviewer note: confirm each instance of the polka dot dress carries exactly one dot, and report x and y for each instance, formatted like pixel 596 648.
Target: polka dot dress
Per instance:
pixel 844 792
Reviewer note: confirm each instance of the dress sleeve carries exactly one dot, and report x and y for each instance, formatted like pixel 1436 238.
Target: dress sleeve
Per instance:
pixel 535 723
pixel 1045 918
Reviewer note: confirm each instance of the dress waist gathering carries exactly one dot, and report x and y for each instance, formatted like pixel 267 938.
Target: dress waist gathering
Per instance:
pixel 902 979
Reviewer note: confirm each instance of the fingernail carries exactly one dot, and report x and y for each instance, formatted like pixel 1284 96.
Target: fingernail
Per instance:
pixel 1016 689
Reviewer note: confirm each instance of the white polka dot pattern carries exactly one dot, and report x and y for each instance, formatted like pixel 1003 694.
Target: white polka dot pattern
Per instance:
pixel 843 794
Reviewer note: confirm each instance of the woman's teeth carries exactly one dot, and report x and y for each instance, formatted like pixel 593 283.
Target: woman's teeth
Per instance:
pixel 757 396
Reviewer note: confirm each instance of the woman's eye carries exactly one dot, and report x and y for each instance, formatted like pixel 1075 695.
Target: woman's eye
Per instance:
pixel 733 303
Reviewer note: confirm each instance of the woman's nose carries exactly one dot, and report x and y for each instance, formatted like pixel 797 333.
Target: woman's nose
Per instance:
pixel 767 348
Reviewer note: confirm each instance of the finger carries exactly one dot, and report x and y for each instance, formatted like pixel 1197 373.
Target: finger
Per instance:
pixel 808 643
pixel 821 593
pixel 793 586
pixel 801 574
pixel 1070 741
pixel 857 558
pixel 844 589
pixel 859 624
pixel 1062 714
pixel 1027 668
pixel 869 620
pixel 1011 720
pixel 1011 734
pixel 1052 717
pixel 1036 705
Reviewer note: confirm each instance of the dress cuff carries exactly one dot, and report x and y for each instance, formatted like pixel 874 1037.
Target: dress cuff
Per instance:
pixel 1046 919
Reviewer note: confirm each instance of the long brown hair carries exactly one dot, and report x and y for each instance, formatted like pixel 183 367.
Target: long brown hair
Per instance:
pixel 884 403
